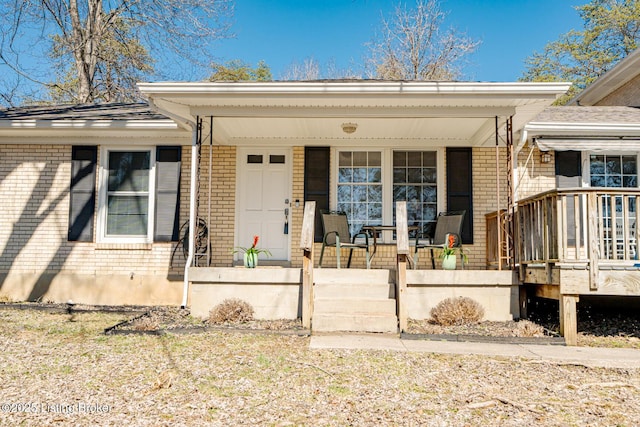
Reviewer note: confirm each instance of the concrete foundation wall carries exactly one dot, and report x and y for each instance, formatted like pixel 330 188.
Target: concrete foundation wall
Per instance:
pixel 112 289
pixel 496 291
pixel 274 293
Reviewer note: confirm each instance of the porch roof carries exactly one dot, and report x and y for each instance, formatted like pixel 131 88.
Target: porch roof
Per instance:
pixel 385 112
pixel 592 128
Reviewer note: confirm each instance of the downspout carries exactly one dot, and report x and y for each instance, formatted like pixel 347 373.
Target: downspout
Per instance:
pixel 192 211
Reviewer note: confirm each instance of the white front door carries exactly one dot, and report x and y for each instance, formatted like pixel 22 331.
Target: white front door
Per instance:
pixel 264 193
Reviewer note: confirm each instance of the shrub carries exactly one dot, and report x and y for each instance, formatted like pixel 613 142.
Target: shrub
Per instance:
pixel 146 323
pixel 526 328
pixel 231 310
pixel 457 311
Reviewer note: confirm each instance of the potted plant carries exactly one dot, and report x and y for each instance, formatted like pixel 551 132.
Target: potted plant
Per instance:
pixel 251 254
pixel 449 255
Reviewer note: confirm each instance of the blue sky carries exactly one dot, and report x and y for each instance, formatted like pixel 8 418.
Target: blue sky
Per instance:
pixel 282 31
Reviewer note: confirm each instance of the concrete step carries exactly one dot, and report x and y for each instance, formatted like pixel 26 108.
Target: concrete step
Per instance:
pixel 356 276
pixel 354 306
pixel 354 323
pixel 350 290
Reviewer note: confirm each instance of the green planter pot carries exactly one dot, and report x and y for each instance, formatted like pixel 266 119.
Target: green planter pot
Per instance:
pixel 449 262
pixel 250 260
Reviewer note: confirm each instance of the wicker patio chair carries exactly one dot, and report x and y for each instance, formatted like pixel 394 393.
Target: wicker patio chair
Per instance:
pixel 336 233
pixel 447 223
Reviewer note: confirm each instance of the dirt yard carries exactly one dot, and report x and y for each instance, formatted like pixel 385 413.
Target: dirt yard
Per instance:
pixel 61 369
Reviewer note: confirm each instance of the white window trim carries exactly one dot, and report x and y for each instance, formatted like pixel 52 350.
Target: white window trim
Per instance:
pixel 586 164
pixel 101 226
pixel 387 177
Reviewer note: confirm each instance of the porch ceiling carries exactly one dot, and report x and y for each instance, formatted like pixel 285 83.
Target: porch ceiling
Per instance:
pixel 386 113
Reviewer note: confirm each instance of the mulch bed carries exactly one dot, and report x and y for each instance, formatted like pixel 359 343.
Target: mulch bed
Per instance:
pixel 597 326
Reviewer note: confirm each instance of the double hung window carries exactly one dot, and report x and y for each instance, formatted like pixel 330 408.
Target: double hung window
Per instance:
pixel 415 180
pixel 127 196
pixel 370 182
pixel 360 187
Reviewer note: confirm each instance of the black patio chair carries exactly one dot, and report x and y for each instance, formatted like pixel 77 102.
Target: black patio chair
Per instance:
pixel 448 223
pixel 336 233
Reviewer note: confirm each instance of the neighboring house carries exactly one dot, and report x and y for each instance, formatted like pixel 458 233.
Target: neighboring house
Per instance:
pixel 95 198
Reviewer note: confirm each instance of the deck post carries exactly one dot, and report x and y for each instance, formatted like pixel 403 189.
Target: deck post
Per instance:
pixel 402 242
pixel 593 213
pixel 569 318
pixel 306 244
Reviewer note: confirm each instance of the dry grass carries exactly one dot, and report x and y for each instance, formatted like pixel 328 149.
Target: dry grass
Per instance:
pixel 457 311
pixel 231 310
pixel 223 378
pixel 526 328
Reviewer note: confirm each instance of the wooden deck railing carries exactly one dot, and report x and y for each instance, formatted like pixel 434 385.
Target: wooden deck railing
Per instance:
pixel 581 226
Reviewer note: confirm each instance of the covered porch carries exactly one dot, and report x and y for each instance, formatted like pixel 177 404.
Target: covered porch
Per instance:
pixel 321 133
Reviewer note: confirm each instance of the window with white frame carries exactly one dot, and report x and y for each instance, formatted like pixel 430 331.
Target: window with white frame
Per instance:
pixel 126 196
pixel 360 187
pixel 613 170
pixel 370 182
pixel 415 180
pixel 616 171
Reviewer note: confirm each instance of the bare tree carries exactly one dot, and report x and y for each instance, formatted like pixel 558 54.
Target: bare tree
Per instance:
pixel 309 69
pixel 99 34
pixel 413 46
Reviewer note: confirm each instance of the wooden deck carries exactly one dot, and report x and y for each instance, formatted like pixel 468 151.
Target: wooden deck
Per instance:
pixel 577 242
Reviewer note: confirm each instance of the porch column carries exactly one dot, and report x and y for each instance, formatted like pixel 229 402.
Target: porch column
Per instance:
pixel 192 209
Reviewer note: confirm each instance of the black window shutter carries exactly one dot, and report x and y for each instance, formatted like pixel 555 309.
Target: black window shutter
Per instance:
pixel 460 187
pixel 82 194
pixel 167 215
pixel 316 182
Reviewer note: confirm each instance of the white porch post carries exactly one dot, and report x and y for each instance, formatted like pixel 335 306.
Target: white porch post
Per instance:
pixel 192 210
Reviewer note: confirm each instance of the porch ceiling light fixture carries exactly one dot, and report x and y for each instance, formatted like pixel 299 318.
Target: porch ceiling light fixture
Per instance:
pixel 545 157
pixel 349 127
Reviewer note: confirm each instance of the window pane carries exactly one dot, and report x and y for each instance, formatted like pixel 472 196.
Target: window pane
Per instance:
pixel 630 181
pixel 375 158
pixel 429 175
pixel 613 165
pixel 597 181
pixel 399 175
pixel 360 158
pixel 414 175
pixel 276 159
pixel 344 158
pixel 614 181
pixel 629 165
pixel 375 193
pixel 399 193
pixel 345 175
pixel 429 159
pixel 399 158
pixel 127 215
pixel 344 193
pixel 359 194
pixel 129 171
pixel 375 175
pixel 414 158
pixel 597 165
pixel 359 174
